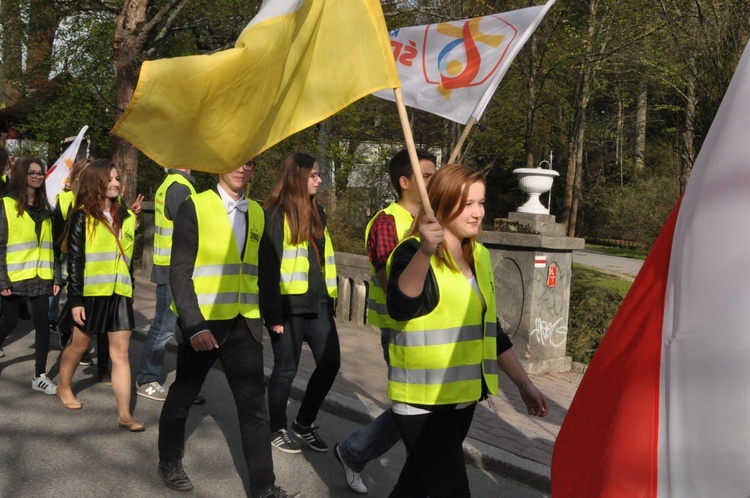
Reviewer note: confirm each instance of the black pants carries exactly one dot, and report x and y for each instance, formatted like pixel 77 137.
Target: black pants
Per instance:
pixel 40 319
pixel 435 466
pixel 242 358
pixel 319 332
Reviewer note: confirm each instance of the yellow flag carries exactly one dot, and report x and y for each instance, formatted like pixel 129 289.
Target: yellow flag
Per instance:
pixel 296 63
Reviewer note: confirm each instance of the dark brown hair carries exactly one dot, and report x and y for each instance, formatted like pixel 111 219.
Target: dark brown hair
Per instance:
pixel 447 191
pixel 19 185
pixel 291 197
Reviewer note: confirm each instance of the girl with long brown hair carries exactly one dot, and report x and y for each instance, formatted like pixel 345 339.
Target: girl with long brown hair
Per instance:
pixel 298 283
pixel 446 345
pixel 100 240
pixel 28 267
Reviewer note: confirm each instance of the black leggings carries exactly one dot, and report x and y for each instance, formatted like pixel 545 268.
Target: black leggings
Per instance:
pixel 40 319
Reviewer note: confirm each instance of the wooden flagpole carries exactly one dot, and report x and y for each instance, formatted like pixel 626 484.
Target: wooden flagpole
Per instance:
pixel 457 148
pixel 409 138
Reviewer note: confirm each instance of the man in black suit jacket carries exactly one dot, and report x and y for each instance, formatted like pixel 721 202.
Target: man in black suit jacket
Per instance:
pixel 211 329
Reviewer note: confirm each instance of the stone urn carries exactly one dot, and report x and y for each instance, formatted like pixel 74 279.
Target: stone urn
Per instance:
pixel 535 182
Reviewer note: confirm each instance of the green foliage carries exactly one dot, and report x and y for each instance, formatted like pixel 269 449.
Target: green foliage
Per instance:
pixel 634 212
pixel 595 298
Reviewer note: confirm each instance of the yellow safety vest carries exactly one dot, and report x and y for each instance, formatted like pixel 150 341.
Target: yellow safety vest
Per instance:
pixel 26 256
pixel 65 200
pixel 377 312
pixel 226 286
pixel 442 357
pixel 295 266
pixel 165 226
pixel 107 269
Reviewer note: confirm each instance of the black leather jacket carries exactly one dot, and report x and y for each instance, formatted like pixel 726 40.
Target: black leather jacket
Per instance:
pixel 77 254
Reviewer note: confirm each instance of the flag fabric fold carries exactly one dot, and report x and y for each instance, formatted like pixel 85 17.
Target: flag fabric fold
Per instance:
pixel 452 69
pixel 295 64
pixel 664 406
pixel 58 173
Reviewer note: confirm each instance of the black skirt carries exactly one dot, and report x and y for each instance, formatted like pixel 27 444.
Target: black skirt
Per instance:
pixel 103 314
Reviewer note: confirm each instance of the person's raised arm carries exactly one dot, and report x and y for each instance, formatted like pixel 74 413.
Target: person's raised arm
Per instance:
pixel 411 281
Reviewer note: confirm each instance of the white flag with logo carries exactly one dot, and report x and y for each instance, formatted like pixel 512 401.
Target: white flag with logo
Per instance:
pixel 59 172
pixel 453 68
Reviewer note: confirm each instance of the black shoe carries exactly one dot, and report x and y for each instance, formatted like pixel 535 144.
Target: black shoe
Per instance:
pixel 174 476
pixel 277 492
pixel 310 436
pixel 86 360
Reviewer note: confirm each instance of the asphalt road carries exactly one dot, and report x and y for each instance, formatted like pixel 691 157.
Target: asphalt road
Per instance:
pixel 605 262
pixel 47 451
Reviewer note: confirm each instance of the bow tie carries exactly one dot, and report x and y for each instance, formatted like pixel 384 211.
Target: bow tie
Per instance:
pixel 240 205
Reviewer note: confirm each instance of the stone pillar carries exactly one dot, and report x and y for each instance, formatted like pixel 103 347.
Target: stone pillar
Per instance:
pixel 532 261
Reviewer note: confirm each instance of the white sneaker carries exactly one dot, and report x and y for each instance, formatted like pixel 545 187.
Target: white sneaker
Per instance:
pixel 353 479
pixel 43 384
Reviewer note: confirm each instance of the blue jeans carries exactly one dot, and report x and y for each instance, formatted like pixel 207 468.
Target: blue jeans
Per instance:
pixel 161 331
pixel 377 437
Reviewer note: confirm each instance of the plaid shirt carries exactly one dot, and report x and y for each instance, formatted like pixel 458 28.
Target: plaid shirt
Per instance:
pixel 382 240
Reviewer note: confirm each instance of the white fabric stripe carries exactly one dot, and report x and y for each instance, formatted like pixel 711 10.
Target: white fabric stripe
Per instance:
pixel 435 376
pixel 165 232
pixel 295 277
pixel 216 270
pixel 274 8
pixel 438 337
pixel 26 265
pixel 292 253
pixel 249 269
pixel 704 444
pixel 100 256
pixel 21 246
pixel 163 251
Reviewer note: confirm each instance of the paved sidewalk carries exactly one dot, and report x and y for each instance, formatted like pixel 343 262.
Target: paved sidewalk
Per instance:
pixel 503 437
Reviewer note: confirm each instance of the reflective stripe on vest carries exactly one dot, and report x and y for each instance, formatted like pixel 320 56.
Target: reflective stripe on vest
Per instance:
pixel 107 270
pixel 295 265
pixel 26 255
pixel 377 312
pixel 443 357
pixel 225 285
pixel 165 226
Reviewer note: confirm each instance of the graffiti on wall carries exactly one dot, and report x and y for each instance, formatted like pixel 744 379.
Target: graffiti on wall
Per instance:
pixel 549 333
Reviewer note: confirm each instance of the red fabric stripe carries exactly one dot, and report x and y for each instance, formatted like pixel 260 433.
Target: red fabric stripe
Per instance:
pixel 608 443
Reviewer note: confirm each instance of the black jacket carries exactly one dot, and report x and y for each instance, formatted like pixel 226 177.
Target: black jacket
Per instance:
pixel 33 286
pixel 77 254
pixel 190 320
pixel 402 307
pixel 275 306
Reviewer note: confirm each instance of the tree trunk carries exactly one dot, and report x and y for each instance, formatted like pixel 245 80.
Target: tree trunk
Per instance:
pixel 687 154
pixel 531 107
pixel 43 22
pixel 128 44
pixel 620 139
pixel 12 60
pixel 640 126
pixel 574 175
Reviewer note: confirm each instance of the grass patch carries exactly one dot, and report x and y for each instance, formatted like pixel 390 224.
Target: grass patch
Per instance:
pixel 623 252
pixel 586 277
pixel 595 297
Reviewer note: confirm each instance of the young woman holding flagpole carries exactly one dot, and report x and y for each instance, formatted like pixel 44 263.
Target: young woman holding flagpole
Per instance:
pixel 446 345
pixel 100 240
pixel 28 267
pixel 298 284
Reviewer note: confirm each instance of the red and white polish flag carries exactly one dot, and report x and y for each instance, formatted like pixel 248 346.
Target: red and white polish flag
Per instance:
pixel 664 408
